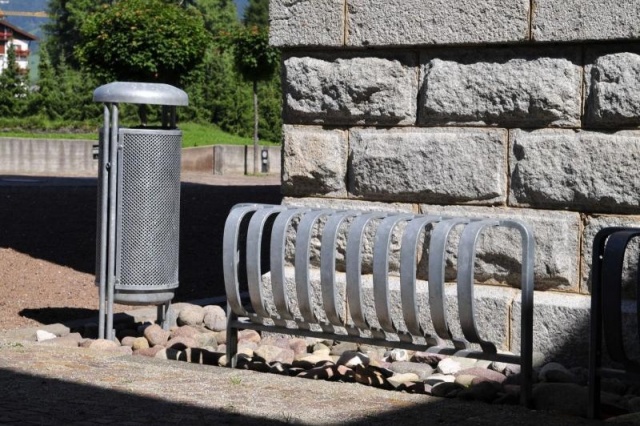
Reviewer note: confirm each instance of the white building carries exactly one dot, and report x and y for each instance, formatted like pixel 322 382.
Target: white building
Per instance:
pixel 10 35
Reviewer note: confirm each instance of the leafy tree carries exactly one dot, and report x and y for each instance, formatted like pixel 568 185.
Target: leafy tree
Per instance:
pixel 142 40
pixel 256 61
pixel 219 15
pixel 217 94
pixel 13 89
pixel 42 100
pixel 63 28
pixel 85 49
pixel 257 13
pixel 270 94
pixel 63 94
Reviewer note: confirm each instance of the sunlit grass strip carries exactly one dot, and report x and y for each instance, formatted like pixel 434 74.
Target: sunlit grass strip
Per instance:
pixel 194 134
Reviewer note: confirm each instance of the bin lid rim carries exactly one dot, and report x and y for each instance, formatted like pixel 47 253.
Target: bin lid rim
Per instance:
pixel 141 93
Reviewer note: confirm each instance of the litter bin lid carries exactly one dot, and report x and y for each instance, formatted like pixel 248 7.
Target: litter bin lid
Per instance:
pixel 141 93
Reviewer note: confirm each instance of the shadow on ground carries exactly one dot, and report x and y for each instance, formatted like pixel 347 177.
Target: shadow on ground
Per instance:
pixel 42 400
pixel 53 401
pixel 54 219
pixel 52 315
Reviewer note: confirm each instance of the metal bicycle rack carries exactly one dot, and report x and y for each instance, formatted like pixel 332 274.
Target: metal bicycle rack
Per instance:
pixel 609 248
pixel 138 202
pixel 254 221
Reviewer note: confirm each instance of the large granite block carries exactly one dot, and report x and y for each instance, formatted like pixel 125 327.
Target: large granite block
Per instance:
pixel 411 22
pixel 492 305
pixel 578 20
pixel 612 83
pixel 315 161
pixel 576 170
pixel 350 89
pixel 306 23
pixel 507 87
pixel 561 328
pixel 436 165
pixel 499 250
pixel 368 238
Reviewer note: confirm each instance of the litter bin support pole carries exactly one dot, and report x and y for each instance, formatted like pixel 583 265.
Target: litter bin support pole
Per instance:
pixel 113 167
pixel 104 188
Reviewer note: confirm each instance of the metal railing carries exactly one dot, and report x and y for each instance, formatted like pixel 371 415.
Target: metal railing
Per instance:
pixel 609 248
pixel 248 224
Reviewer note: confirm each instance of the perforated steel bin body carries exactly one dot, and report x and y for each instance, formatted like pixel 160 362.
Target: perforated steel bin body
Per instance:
pixel 148 211
pixel 147 215
pixel 138 201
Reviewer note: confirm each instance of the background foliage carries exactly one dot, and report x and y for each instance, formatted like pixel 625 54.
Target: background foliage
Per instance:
pixel 80 52
pixel 142 40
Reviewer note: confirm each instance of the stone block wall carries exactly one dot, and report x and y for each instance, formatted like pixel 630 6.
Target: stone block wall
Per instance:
pixel 519 108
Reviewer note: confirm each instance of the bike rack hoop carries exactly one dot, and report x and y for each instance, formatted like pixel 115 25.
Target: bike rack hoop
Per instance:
pixel 342 313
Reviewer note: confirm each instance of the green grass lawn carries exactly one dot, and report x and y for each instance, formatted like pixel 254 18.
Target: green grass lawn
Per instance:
pixel 202 135
pixel 193 135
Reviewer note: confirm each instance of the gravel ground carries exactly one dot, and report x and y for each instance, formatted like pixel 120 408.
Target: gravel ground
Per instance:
pixel 47 243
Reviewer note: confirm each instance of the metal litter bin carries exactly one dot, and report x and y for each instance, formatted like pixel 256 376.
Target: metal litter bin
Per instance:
pixel 138 202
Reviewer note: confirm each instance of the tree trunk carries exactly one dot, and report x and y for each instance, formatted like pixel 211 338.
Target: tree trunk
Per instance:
pixel 256 147
pixel 142 114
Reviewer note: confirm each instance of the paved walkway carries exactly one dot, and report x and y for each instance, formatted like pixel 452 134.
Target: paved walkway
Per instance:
pixel 45 384
pixel 186 177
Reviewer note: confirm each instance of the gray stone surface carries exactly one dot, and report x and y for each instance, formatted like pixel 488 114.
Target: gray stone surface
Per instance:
pixel 104 345
pixel 350 204
pixel 577 170
pixel 492 304
pixel 272 353
pixel 156 335
pixel 43 336
pixel 560 327
pixel 315 161
pixel 508 87
pixel 613 90
pixel 439 165
pixel 422 370
pixel 566 398
pixel 350 89
pixel 191 315
pixel 215 318
pixel 367 245
pixel 573 20
pixel 492 310
pixel 306 23
pixel 498 256
pixel 483 374
pixel 409 22
pixel 556 373
pixel 402 378
pixel 499 251
pixel 593 224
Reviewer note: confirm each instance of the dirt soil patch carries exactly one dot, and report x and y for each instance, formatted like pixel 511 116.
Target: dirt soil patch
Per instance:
pixel 48 243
